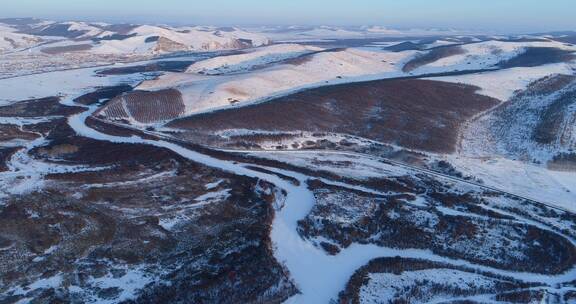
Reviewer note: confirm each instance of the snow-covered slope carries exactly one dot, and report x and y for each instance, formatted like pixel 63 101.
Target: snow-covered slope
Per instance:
pixel 502 84
pixel 10 40
pixel 475 56
pixel 250 60
pixel 128 39
pixel 202 93
pixel 536 125
pixel 88 30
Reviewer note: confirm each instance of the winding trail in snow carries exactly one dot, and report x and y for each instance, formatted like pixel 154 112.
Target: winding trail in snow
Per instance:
pixel 318 276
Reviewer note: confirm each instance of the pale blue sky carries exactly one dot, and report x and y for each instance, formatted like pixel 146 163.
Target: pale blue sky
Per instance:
pixel 506 15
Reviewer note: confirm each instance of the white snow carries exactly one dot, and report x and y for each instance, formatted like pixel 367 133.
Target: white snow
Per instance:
pixel 205 93
pixel 211 196
pixel 521 178
pixel 22 121
pixel 484 55
pixel 213 185
pixel 318 276
pixel 90 30
pixel 60 83
pixel 189 39
pixel 323 32
pixel 341 163
pixel 10 41
pixel 382 287
pixel 503 84
pixel 246 61
pixel 438 43
pixel 129 284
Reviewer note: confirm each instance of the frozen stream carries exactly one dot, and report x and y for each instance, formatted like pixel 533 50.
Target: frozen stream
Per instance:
pixel 319 277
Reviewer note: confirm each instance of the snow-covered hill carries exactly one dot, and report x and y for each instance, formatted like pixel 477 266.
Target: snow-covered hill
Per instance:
pixel 202 93
pixel 271 71
pixel 11 41
pixel 536 125
pixel 477 56
pixel 127 39
pixel 126 177
pixel 147 39
pixel 250 60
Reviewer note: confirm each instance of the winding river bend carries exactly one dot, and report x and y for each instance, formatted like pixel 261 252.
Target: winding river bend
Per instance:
pixel 318 276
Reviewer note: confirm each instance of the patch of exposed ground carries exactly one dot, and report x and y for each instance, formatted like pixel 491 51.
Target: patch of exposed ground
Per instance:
pixel 10 132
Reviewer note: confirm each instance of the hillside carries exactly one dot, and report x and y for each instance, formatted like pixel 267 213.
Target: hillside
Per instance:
pixel 202 93
pixel 12 41
pixel 354 165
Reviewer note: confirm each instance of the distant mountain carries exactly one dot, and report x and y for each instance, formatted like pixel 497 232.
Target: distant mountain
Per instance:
pixel 162 39
pixel 122 39
pixel 347 32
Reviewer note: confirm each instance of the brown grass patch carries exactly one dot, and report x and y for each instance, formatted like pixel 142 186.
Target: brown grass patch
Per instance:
pixel 66 49
pixel 145 106
pixel 418 114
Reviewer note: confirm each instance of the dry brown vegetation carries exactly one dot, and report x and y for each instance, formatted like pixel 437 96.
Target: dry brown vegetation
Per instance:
pixel 432 56
pixel 103 223
pixel 102 93
pixel 158 66
pixel 536 56
pixel 41 107
pixel 537 123
pixel 422 290
pixel 66 49
pixel 145 107
pixel 10 132
pixel 5 155
pixel 418 114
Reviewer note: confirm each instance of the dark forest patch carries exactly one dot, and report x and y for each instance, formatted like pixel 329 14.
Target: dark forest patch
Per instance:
pixel 146 106
pixel 66 49
pixel 536 56
pixel 159 66
pixel 102 93
pixel 432 56
pixel 48 106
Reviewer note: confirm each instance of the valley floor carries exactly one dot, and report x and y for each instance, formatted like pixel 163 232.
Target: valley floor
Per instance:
pixel 107 210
